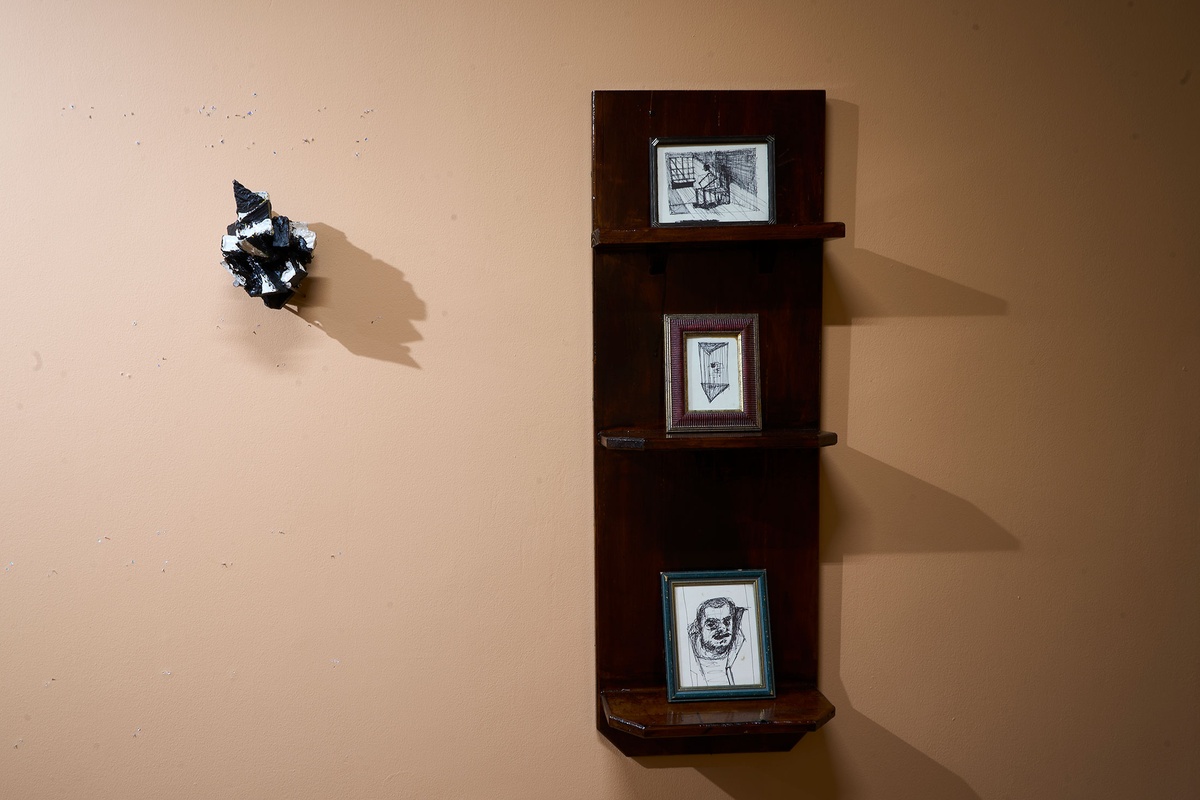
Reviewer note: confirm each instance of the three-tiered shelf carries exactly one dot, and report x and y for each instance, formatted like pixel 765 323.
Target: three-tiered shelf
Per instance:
pixel 705 501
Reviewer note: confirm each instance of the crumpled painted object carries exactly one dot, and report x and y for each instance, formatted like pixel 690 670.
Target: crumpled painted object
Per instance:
pixel 266 255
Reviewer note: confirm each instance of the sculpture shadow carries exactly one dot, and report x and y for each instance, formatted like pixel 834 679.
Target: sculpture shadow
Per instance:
pixel 362 302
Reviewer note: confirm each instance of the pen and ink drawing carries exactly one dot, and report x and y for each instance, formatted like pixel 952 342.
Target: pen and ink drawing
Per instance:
pixel 712 178
pixel 714 373
pixel 715 637
pixel 718 641
pixel 712 181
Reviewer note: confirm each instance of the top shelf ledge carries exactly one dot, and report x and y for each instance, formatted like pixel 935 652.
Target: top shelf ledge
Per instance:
pixel 684 234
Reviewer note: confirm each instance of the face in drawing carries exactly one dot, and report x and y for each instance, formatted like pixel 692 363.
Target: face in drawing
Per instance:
pixel 716 621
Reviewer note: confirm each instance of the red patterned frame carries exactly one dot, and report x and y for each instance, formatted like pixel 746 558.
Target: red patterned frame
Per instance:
pixel 676 328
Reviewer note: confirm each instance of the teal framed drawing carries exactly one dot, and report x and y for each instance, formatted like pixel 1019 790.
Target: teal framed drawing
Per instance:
pixel 717 632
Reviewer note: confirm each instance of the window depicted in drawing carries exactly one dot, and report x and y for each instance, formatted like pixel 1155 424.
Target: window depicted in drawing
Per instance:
pixel 718 644
pixel 712 372
pixel 712 181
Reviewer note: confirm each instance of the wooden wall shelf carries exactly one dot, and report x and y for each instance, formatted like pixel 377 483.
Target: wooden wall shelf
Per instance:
pixel 705 501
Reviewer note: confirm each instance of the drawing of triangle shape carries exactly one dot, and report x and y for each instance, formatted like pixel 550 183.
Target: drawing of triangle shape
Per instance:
pixel 711 390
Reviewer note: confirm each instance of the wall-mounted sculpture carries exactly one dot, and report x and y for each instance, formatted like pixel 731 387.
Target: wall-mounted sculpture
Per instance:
pixel 266 255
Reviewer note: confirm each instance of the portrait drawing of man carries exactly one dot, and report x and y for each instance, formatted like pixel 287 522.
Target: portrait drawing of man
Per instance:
pixel 716 638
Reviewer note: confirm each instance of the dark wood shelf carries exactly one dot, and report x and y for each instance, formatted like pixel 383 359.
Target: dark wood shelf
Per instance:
pixel 659 439
pixel 685 234
pixel 721 500
pixel 645 713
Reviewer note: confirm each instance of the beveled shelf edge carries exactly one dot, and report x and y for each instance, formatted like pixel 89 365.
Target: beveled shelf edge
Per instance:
pixel 659 439
pixel 645 713
pixel 685 234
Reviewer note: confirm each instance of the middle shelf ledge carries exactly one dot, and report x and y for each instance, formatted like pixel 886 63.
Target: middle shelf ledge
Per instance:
pixel 691 234
pixel 659 439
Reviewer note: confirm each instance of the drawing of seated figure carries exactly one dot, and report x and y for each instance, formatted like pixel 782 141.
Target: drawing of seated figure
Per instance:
pixel 716 638
pixel 712 189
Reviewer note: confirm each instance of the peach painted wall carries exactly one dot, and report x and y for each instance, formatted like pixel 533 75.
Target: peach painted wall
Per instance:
pixel 346 553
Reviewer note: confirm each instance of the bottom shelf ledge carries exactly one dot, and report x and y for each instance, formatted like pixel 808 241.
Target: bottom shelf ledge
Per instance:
pixel 645 713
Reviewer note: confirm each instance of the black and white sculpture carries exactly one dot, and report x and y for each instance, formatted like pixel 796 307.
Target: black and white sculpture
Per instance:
pixel 266 255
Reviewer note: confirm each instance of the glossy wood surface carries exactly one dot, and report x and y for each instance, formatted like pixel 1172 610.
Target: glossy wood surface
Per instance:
pixel 652 439
pixel 731 233
pixel 718 503
pixel 647 714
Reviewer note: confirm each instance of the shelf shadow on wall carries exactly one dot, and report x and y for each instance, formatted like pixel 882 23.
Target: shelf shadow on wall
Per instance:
pixel 860 283
pixel 360 301
pixel 906 515
pixel 863 284
pixel 894 512
pixel 867 506
pixel 824 764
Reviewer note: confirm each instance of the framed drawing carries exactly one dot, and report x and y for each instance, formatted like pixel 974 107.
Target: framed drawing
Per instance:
pixel 714 181
pixel 717 635
pixel 712 372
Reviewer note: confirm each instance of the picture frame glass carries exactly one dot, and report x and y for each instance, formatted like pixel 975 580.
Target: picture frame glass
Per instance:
pixel 713 372
pixel 714 181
